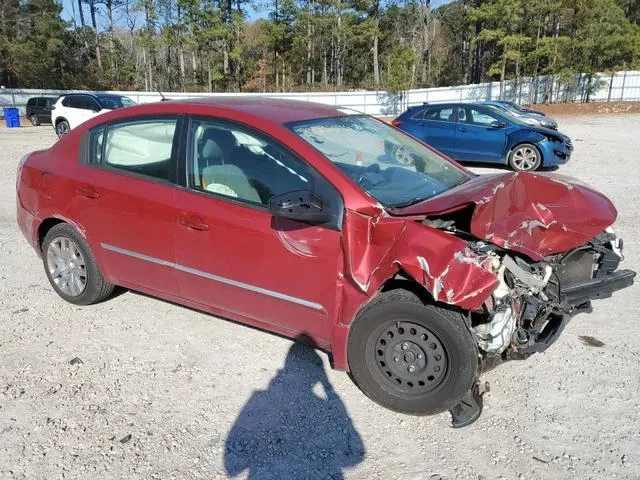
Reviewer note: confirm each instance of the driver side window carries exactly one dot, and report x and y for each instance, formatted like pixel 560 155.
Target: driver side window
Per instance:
pixel 477 117
pixel 241 164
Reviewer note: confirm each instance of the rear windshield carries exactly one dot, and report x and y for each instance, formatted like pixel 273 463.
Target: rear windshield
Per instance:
pixel 112 102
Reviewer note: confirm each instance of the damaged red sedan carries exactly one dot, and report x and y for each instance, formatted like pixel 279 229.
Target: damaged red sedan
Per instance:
pixel 316 223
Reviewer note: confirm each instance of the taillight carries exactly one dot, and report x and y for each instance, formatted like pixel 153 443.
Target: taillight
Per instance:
pixel 396 123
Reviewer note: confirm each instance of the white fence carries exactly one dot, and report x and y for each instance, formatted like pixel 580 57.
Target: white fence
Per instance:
pixel 620 86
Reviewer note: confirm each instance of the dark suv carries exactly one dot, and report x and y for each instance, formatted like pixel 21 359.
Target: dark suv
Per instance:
pixel 39 109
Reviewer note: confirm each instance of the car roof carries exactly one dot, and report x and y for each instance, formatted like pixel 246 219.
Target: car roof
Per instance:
pixel 279 110
pixel 75 94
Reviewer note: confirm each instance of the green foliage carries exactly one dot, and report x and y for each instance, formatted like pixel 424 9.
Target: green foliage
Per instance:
pixel 401 61
pixel 202 45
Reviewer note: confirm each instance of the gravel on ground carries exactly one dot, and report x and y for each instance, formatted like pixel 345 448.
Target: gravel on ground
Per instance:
pixel 136 387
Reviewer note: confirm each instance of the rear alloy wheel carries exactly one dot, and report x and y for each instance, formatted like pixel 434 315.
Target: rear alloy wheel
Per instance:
pixel 525 158
pixel 66 266
pixel 62 128
pixel 71 267
pixel 34 120
pixel 410 357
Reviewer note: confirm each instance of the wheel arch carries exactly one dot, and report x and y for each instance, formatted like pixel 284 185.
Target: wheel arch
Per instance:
pixel 44 227
pixel 341 331
pixel 520 137
pixel 51 221
pixel 58 120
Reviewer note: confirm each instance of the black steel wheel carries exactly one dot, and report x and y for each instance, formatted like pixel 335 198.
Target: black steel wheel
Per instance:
pixel 411 357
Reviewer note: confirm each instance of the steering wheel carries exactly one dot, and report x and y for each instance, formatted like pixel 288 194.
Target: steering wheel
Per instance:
pixel 365 177
pixel 403 155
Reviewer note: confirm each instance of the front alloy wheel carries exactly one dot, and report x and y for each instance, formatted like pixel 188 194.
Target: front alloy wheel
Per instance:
pixel 525 158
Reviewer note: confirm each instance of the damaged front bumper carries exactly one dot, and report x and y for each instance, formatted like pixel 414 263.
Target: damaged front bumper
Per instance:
pixel 555 153
pixel 536 300
pixel 596 288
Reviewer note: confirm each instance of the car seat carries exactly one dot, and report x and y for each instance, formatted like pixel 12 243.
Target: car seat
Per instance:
pixel 210 151
pixel 228 180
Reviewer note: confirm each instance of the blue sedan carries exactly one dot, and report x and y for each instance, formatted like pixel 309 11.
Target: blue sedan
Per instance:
pixel 482 133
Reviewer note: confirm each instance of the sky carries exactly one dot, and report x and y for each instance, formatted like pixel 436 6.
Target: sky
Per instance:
pixel 67 11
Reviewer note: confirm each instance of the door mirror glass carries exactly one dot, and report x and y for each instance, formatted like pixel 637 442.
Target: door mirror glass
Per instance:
pixel 497 124
pixel 302 205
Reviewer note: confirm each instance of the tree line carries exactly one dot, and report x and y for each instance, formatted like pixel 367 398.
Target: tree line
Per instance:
pixel 307 45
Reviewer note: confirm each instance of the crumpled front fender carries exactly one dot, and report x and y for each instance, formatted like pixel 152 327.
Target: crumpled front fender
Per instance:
pixel 378 247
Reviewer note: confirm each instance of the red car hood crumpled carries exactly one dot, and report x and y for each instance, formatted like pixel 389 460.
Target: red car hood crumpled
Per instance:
pixel 534 214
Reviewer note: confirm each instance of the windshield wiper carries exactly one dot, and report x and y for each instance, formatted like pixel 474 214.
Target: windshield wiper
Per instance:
pixel 408 203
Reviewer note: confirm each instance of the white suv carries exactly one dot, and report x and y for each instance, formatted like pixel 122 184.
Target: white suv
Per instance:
pixel 73 109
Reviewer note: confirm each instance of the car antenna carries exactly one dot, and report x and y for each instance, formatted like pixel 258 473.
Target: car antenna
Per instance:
pixel 164 99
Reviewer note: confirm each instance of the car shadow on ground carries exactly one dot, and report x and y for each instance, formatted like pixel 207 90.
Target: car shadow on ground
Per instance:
pixel 297 428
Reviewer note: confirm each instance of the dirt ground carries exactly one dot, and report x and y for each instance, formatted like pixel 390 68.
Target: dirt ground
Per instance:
pixel 139 388
pixel 592 108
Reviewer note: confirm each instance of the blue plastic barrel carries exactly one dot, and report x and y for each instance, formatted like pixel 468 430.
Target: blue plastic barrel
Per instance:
pixel 12 117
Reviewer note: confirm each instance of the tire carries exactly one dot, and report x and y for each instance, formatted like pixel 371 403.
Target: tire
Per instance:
pixel 525 158
pixel 377 357
pixel 62 128
pixel 65 249
pixel 34 120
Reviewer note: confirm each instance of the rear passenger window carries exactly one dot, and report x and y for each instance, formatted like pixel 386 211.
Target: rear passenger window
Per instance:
pixel 74 101
pixel 143 147
pixel 442 114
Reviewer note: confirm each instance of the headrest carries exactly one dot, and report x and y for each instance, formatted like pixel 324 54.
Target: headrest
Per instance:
pixel 211 151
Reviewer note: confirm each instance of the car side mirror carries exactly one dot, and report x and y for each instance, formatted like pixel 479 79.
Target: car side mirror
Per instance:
pixel 302 205
pixel 497 124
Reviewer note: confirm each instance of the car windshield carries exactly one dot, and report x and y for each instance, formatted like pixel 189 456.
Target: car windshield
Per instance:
pixel 514 106
pixel 112 102
pixel 507 107
pixel 391 166
pixel 506 114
